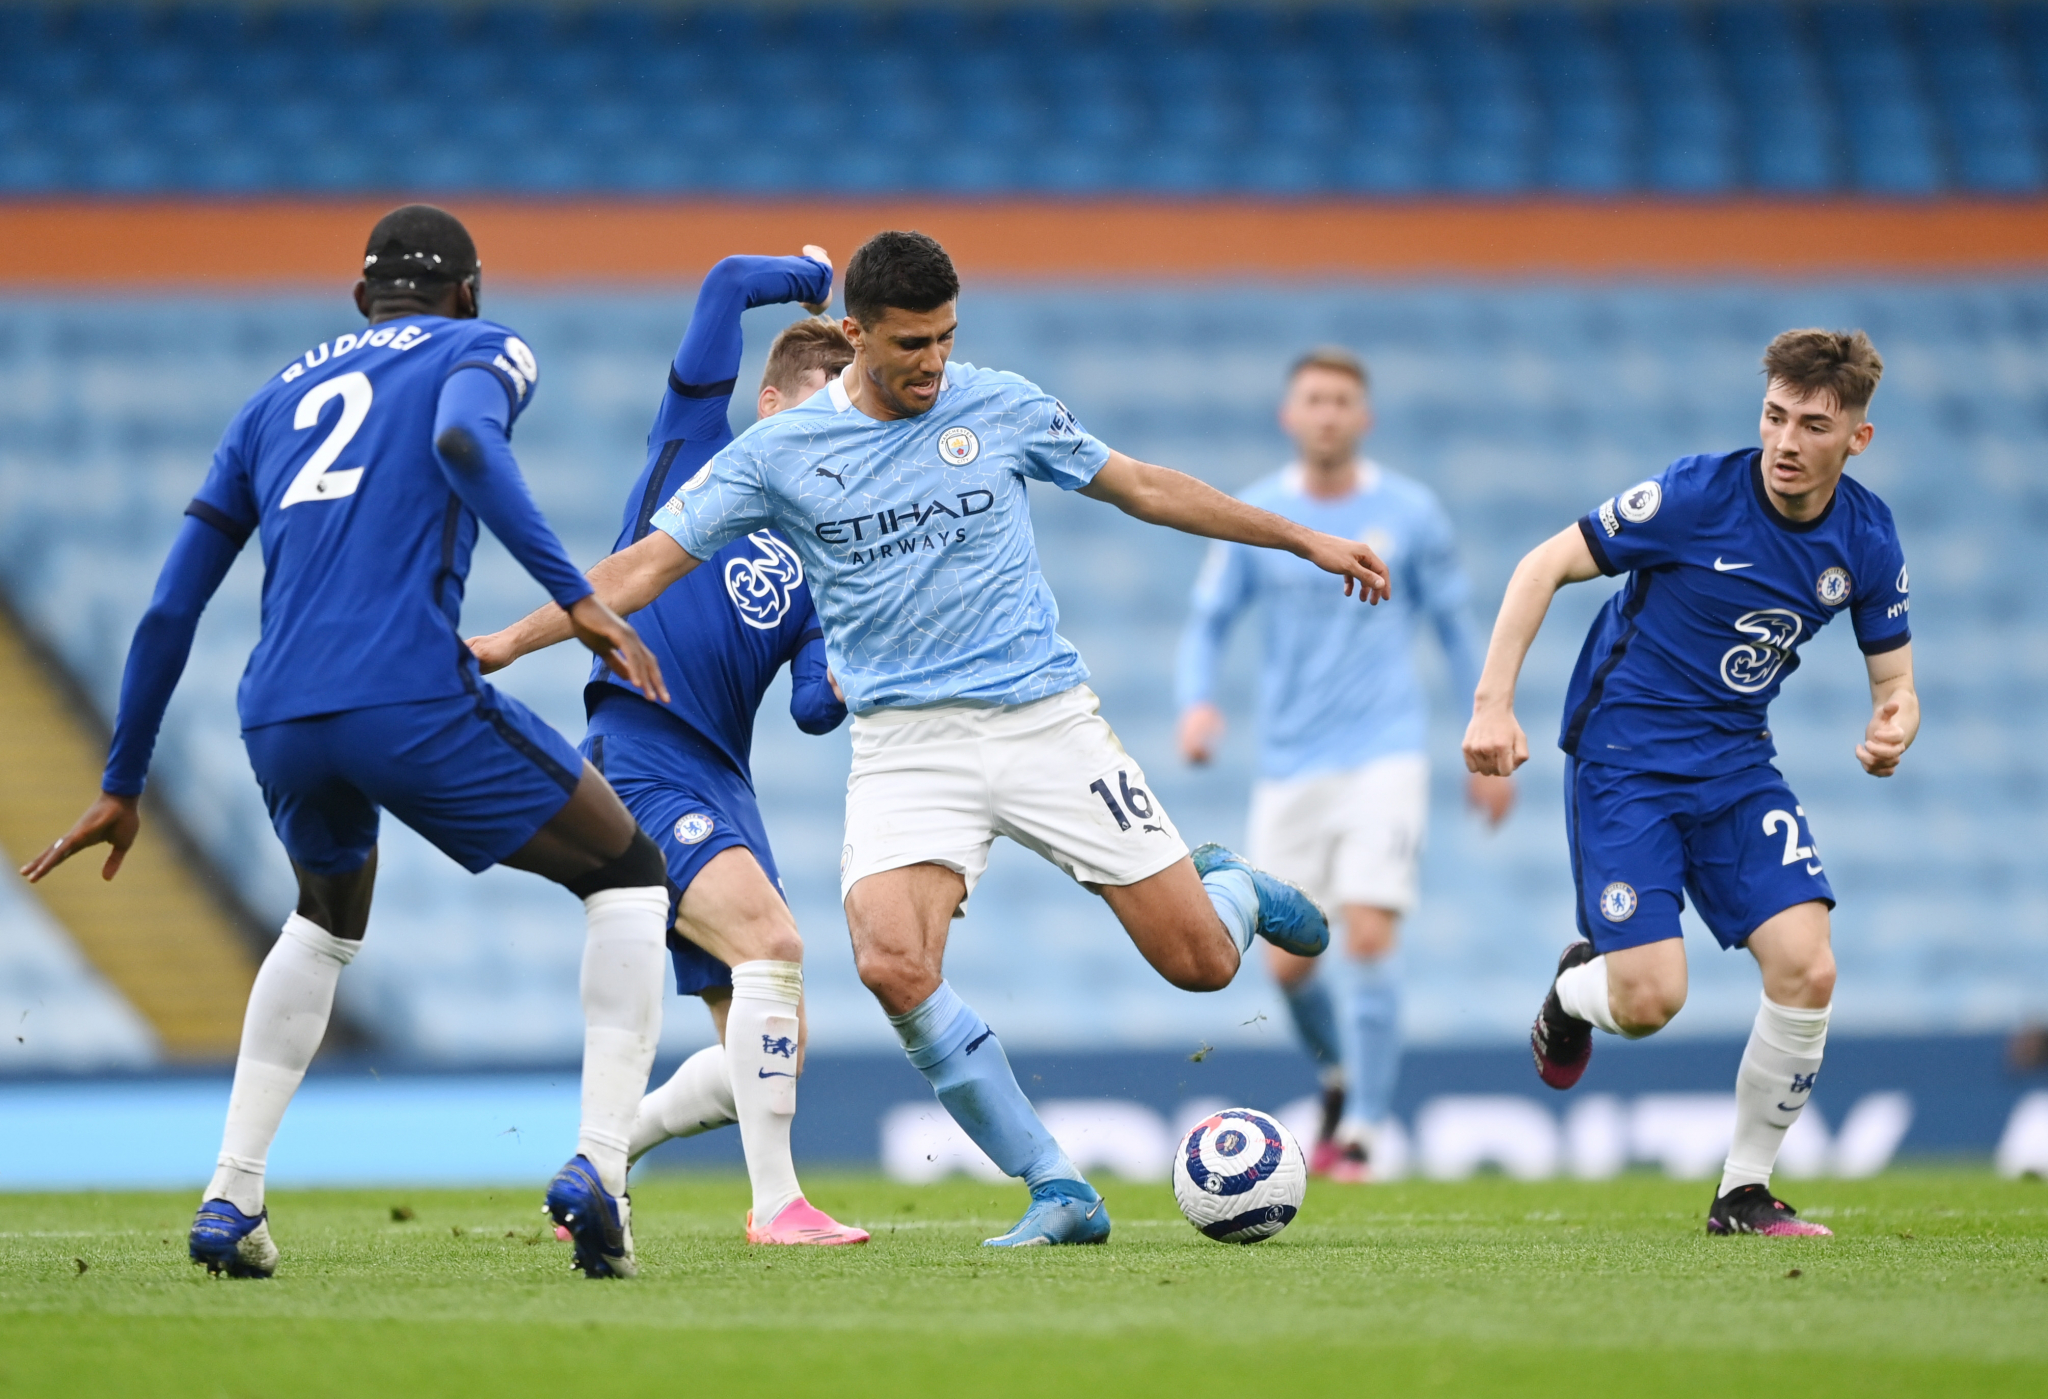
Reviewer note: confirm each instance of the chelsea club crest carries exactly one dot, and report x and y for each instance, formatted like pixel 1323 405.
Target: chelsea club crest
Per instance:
pixel 693 828
pixel 1617 902
pixel 958 445
pixel 1833 587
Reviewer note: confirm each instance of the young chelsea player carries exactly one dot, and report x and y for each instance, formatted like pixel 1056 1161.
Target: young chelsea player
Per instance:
pixel 1733 560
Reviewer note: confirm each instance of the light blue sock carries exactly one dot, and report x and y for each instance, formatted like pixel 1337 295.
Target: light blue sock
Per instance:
pixel 964 1063
pixel 1236 903
pixel 1372 1059
pixel 1315 1020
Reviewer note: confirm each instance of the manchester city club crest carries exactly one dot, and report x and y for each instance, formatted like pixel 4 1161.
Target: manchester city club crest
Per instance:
pixel 693 828
pixel 1617 902
pixel 1832 587
pixel 1638 504
pixel 958 445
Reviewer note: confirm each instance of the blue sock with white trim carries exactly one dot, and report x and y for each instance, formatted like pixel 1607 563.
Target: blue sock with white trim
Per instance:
pixel 964 1063
pixel 1236 902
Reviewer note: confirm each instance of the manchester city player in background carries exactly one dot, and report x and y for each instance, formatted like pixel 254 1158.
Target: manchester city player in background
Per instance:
pixel 367 463
pixel 1342 800
pixel 683 766
pixel 903 489
pixel 1733 560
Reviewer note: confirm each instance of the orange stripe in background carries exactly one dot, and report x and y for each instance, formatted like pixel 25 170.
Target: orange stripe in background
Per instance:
pixel 87 244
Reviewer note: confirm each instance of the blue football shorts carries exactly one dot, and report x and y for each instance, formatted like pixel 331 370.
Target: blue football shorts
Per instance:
pixel 1738 842
pixel 688 798
pixel 477 774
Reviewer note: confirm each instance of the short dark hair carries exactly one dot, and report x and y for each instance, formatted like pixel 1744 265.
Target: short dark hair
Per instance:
pixel 1334 358
pixel 417 250
pixel 805 345
pixel 909 271
pixel 1842 364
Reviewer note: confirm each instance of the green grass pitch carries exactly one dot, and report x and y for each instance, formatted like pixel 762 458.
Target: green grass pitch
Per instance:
pixel 1937 1283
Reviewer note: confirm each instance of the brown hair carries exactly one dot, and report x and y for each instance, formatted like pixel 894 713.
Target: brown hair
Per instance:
pixel 810 344
pixel 1842 364
pixel 1334 358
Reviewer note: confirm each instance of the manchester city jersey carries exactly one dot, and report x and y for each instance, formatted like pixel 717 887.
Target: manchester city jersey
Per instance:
pixel 1681 665
pixel 1338 684
pixel 365 545
pixel 915 534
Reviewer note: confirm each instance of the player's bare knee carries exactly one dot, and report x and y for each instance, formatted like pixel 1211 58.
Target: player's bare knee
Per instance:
pixel 1643 1006
pixel 899 978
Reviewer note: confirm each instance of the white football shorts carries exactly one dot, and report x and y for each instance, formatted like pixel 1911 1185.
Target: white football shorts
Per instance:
pixel 1350 837
pixel 938 784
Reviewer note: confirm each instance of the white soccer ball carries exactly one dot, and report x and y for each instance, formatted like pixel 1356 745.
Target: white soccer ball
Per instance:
pixel 1239 1176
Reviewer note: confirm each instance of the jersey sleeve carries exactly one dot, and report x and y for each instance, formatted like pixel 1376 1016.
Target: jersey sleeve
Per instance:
pixel 726 498
pixel 1445 594
pixel 510 361
pixel 1223 589
pixel 1879 610
pixel 1648 524
pixel 1054 447
pixel 227 498
pixel 705 371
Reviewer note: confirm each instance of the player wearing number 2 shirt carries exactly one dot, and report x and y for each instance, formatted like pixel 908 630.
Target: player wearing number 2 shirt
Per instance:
pixel 1733 560
pixel 367 463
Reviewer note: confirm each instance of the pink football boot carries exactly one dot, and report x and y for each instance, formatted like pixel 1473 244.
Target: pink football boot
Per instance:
pixel 801 1222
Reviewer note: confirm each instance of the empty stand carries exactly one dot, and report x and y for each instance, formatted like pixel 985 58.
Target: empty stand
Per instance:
pixel 1906 100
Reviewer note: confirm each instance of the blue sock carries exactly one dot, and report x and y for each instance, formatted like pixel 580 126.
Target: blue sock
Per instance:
pixel 964 1063
pixel 1373 1050
pixel 1236 903
pixel 1315 1019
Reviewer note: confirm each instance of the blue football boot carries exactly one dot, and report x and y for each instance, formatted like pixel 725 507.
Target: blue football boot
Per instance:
pixel 597 1223
pixel 1288 917
pixel 228 1241
pixel 1062 1212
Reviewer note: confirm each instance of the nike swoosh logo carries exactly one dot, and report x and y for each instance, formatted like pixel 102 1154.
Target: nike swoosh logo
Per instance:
pixel 1720 567
pixel 770 1073
pixel 1789 1107
pixel 1092 1209
pixel 1813 869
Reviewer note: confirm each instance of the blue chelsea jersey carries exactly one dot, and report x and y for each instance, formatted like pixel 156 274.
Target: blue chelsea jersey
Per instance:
pixel 915 534
pixel 366 547
pixel 1681 665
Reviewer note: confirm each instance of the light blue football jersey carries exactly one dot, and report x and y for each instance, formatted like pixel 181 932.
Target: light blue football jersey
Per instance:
pixel 1337 683
pixel 915 534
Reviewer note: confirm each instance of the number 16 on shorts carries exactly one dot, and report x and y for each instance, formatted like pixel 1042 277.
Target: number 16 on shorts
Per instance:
pixel 1129 804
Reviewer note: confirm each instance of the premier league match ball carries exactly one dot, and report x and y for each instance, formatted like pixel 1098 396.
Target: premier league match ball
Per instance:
pixel 1239 1176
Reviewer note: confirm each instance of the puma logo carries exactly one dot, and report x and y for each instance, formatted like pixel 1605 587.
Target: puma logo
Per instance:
pixel 979 1039
pixel 834 475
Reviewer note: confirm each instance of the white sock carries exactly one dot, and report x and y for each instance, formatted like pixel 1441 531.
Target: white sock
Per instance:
pixel 1772 1087
pixel 760 1052
pixel 622 987
pixel 1582 991
pixel 287 1018
pixel 697 1099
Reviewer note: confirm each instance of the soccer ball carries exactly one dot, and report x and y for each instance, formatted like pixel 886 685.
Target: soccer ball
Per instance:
pixel 1239 1176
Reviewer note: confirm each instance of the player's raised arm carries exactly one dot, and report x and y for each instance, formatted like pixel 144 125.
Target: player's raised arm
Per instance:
pixel 1894 712
pixel 200 558
pixel 1494 741
pixel 1161 496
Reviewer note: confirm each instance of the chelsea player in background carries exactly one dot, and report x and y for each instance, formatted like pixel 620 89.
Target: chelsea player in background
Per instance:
pixel 682 765
pixel 904 490
pixel 1342 800
pixel 1733 560
pixel 367 463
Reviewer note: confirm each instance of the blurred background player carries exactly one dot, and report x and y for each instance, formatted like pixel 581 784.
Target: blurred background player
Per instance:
pixel 367 463
pixel 1341 805
pixel 682 766
pixel 1733 560
pixel 904 490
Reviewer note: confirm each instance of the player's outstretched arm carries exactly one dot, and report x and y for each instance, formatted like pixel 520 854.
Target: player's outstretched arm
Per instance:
pixel 1161 496
pixel 1494 741
pixel 622 583
pixel 1894 712
pixel 198 561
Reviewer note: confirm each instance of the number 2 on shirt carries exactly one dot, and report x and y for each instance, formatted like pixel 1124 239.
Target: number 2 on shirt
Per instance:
pixel 315 481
